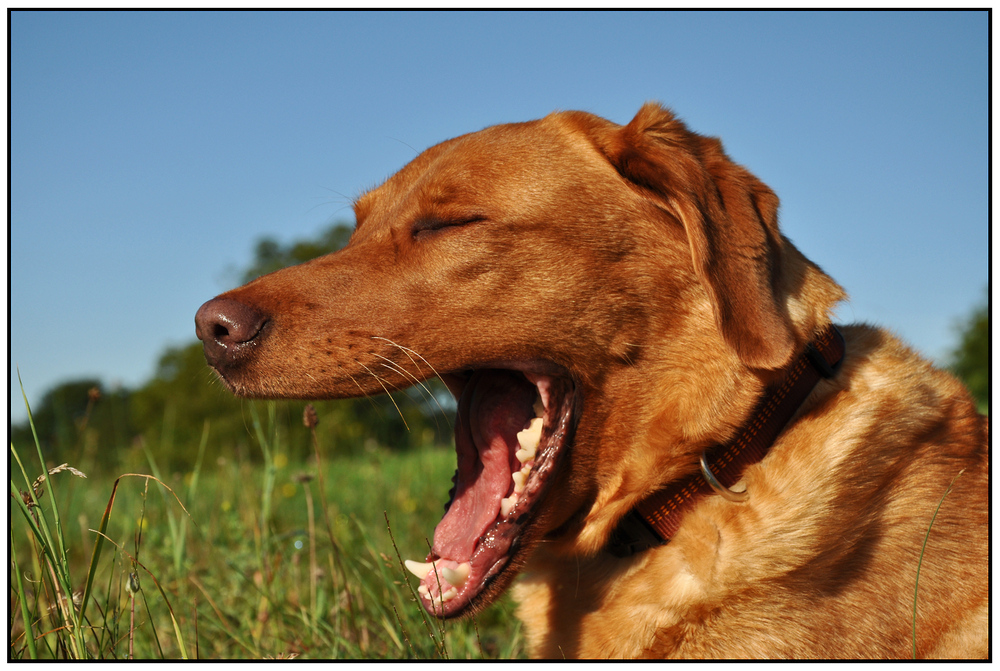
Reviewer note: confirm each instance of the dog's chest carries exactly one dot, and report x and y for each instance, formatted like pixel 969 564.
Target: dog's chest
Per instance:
pixel 601 608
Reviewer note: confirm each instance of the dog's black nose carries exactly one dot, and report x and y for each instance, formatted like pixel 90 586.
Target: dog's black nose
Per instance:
pixel 224 325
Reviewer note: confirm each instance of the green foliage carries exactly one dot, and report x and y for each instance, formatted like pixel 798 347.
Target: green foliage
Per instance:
pixel 269 255
pixel 71 416
pixel 167 416
pixel 184 394
pixel 971 359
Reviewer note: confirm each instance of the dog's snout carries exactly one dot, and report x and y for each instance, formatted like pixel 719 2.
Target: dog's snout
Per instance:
pixel 223 324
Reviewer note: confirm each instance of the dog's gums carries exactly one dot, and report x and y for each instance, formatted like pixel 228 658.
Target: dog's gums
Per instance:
pixel 510 431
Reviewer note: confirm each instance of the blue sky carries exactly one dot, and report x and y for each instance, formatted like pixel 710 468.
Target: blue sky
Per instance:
pixel 149 151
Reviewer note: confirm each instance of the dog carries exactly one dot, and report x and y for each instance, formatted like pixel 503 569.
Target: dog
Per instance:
pixel 658 428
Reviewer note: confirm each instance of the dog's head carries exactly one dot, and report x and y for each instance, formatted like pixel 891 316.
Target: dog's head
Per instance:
pixel 603 301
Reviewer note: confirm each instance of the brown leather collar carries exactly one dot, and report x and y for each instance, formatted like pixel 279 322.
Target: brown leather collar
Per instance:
pixel 656 518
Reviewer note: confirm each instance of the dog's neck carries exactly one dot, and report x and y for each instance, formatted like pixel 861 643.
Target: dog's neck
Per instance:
pixel 655 519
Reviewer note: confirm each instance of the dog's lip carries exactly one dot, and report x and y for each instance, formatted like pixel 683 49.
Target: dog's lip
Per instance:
pixel 456 378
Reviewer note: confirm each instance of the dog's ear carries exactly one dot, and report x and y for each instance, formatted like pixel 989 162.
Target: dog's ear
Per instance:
pixel 731 219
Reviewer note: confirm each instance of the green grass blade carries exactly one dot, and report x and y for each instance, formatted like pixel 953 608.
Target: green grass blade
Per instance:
pixel 61 547
pixel 40 528
pixel 916 585
pixel 98 546
pixel 171 519
pixel 50 550
pixel 270 471
pixel 29 638
pixel 270 475
pixel 181 540
pixel 57 554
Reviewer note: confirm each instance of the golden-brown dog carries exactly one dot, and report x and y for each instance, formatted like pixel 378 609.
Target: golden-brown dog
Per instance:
pixel 608 303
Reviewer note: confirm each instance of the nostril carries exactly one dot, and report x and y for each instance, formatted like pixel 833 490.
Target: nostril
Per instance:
pixel 225 322
pixel 220 332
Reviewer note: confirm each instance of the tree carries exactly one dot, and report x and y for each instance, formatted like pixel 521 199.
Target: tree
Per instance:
pixel 269 255
pixel 73 417
pixel 970 360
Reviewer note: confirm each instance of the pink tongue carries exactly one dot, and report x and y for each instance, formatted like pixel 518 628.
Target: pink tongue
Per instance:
pixel 499 407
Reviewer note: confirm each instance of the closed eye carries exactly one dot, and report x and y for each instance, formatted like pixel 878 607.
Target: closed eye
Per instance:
pixel 426 227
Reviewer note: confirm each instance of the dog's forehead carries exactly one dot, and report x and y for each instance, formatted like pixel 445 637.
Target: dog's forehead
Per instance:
pixel 498 166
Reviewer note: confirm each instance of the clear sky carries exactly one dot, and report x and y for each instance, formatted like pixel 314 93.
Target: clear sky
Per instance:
pixel 149 151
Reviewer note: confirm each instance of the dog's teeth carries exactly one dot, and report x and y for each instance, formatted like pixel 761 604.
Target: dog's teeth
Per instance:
pixel 506 505
pixel 528 440
pixel 530 436
pixel 519 478
pixel 449 595
pixel 456 577
pixel 535 425
pixel 423 591
pixel 418 569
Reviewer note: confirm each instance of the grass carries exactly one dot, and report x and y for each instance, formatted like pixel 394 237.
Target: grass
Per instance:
pixel 234 559
pixel 923 549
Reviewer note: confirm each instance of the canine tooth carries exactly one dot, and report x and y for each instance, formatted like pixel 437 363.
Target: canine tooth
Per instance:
pixel 506 505
pixel 519 478
pixel 456 577
pixel 418 569
pixel 449 595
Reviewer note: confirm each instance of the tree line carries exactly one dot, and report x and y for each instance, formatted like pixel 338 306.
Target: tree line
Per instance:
pixel 183 404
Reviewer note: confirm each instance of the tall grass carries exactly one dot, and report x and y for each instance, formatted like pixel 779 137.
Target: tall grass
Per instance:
pixel 234 559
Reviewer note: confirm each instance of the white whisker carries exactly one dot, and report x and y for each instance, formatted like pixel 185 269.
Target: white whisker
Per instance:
pixel 377 378
pixel 409 351
pixel 427 392
pixel 364 393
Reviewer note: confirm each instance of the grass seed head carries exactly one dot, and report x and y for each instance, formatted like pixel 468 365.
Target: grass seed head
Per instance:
pixel 309 417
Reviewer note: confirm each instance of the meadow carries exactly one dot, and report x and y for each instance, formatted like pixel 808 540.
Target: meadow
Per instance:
pixel 244 556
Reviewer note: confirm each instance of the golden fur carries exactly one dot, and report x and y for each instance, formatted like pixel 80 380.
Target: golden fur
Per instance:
pixel 647 265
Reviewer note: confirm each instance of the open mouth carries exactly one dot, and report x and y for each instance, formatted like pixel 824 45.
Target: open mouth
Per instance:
pixel 510 431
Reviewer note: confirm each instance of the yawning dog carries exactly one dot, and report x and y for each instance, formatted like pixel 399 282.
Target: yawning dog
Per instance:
pixel 658 427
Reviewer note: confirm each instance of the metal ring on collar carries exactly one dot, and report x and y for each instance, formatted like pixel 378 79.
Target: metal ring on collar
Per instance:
pixel 726 492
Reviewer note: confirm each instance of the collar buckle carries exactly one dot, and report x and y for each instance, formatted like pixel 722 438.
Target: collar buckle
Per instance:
pixel 721 489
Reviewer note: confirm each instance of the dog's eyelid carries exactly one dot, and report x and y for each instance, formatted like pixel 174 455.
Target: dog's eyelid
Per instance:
pixel 426 225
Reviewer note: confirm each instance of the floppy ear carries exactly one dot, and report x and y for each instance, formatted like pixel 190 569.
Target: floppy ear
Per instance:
pixel 731 219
